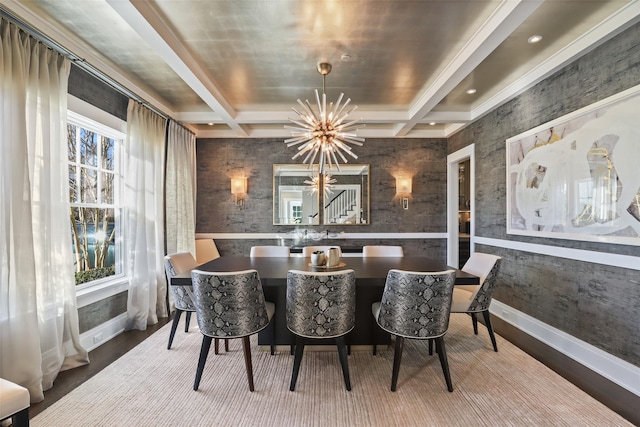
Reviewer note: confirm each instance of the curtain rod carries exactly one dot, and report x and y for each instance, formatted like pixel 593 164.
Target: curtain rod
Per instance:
pixel 80 62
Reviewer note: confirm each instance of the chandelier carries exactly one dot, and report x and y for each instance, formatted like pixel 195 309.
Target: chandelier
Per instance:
pixel 315 182
pixel 324 135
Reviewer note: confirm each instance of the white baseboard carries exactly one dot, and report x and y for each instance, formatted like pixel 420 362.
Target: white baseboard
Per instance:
pixel 614 369
pixel 104 332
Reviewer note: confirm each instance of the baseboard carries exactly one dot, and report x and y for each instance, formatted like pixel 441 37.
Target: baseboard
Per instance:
pixel 104 332
pixel 610 380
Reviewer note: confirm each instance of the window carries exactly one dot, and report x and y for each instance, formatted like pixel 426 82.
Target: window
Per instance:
pixel 94 189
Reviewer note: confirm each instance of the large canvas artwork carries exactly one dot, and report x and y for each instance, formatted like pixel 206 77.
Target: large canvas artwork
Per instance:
pixel 578 177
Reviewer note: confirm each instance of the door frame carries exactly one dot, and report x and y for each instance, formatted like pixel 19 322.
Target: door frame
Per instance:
pixel 453 160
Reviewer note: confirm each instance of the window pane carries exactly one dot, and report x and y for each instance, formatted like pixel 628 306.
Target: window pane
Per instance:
pixel 88 148
pixel 108 153
pixel 71 142
pixel 89 186
pixel 73 184
pixel 94 243
pixel 107 188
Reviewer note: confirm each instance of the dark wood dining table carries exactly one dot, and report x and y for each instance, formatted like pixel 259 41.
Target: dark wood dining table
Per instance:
pixel 371 274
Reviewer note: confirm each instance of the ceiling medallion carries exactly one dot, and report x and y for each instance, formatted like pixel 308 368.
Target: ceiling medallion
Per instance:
pixel 323 135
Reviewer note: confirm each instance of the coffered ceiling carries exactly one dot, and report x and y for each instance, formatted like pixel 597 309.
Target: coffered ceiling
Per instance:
pixel 235 68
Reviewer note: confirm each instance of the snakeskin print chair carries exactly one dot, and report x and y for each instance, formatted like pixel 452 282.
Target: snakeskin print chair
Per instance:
pixel 380 251
pixel 416 306
pixel 321 305
pixel 229 305
pixel 476 299
pixel 182 295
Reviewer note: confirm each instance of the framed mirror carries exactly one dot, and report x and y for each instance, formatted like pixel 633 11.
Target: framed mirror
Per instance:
pixel 295 201
pixel 347 200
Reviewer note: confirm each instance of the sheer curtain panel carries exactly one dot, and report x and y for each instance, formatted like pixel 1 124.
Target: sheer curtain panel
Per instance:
pixel 144 210
pixel 180 190
pixel 38 312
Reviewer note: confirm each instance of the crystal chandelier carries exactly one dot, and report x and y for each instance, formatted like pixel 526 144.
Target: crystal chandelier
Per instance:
pixel 324 135
pixel 314 183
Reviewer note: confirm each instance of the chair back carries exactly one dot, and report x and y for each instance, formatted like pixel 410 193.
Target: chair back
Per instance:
pixel 308 250
pixel 485 266
pixel 416 304
pixel 379 251
pixel 321 304
pixel 206 250
pixel 269 251
pixel 229 304
pixel 175 264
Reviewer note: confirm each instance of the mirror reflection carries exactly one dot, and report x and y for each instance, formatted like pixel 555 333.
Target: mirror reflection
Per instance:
pixel 346 196
pixel 295 200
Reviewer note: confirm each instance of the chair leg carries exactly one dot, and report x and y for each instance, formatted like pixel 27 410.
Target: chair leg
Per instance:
pixel 204 352
pixel 344 361
pixel 226 344
pixel 375 350
pixel 215 346
pixel 20 419
pixel 186 322
pixel 397 358
pixel 247 361
pixel 174 326
pixel 442 353
pixel 296 363
pixel 474 320
pixel 487 321
pixel 430 346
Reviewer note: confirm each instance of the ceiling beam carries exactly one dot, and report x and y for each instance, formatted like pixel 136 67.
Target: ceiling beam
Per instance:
pixel 148 23
pixel 503 21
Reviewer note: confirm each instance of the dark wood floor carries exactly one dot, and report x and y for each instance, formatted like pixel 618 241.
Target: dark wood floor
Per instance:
pixel 615 397
pixel 99 358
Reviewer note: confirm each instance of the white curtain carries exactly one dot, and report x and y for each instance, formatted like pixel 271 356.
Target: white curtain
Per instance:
pixel 144 211
pixel 38 312
pixel 180 189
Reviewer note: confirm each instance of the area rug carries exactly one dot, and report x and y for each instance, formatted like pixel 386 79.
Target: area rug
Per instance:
pixel 153 386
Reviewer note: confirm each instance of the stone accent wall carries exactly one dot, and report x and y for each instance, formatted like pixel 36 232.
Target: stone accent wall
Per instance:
pixel 595 303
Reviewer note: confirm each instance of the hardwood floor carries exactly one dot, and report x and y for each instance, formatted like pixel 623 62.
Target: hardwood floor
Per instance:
pixel 100 358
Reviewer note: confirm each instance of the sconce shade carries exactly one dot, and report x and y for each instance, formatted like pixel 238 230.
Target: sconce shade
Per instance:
pixel 238 185
pixel 403 185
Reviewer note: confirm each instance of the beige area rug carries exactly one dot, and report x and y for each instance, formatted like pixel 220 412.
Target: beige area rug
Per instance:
pixel 152 386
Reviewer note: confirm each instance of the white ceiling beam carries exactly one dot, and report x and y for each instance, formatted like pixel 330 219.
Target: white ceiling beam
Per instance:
pixel 502 22
pixel 146 21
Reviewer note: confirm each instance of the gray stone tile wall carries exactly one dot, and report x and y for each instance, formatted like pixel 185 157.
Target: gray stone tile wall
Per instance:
pixel 596 303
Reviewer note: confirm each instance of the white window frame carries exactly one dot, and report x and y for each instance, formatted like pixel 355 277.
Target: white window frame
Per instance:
pixel 86 115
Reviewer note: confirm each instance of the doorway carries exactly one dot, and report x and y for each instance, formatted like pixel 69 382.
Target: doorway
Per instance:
pixel 460 205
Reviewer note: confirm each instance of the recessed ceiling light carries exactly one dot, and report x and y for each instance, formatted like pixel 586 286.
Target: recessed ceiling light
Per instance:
pixel 471 91
pixel 432 123
pixel 210 124
pixel 534 39
pixel 346 57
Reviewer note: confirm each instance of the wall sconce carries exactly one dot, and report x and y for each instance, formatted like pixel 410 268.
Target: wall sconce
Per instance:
pixel 403 186
pixel 239 190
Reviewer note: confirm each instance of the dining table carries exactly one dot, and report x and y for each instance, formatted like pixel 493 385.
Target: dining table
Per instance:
pixel 371 274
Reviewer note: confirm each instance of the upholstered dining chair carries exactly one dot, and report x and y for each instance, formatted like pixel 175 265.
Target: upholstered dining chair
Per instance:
pixel 380 251
pixel 229 305
pixel 308 250
pixel 269 251
pixel 416 305
pixel 321 305
pixel 206 250
pixel 182 295
pixel 476 299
